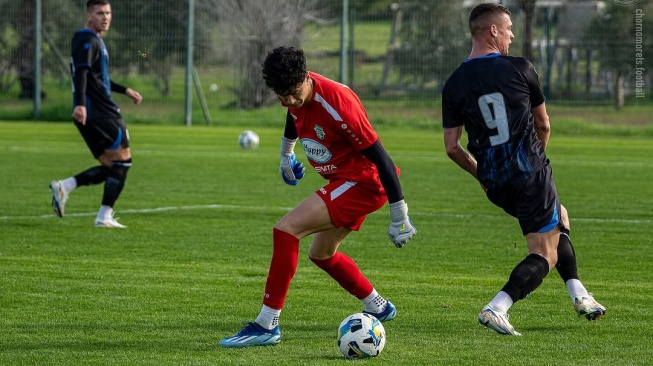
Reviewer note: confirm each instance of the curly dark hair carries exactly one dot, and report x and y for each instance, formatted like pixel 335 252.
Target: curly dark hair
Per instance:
pixel 283 68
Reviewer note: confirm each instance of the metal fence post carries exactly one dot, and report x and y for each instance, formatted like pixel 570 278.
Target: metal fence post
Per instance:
pixel 344 19
pixel 37 58
pixel 189 63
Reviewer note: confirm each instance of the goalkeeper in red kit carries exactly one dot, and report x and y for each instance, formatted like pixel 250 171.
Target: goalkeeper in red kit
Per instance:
pixel 330 122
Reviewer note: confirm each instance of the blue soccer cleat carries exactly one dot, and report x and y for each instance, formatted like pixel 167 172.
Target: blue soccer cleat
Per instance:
pixel 387 314
pixel 253 335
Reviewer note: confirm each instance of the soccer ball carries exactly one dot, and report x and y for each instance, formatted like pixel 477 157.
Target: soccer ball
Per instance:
pixel 248 140
pixel 361 335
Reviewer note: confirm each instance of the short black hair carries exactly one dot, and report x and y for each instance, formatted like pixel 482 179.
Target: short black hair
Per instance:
pixel 483 14
pixel 283 68
pixel 92 3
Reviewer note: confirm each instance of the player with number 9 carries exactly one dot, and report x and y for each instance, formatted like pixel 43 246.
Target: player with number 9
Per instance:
pixel 498 100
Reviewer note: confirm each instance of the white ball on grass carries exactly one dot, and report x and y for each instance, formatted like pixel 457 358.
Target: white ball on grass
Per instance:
pixel 248 140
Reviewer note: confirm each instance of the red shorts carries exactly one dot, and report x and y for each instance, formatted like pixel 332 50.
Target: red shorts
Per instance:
pixel 350 202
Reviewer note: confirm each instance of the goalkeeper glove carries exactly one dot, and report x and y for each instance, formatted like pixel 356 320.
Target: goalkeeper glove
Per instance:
pixel 291 170
pixel 401 228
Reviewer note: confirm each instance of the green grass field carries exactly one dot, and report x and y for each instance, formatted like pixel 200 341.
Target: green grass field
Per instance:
pixel 192 265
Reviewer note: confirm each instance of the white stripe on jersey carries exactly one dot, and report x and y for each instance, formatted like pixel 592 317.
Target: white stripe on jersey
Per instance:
pixel 328 107
pixel 342 189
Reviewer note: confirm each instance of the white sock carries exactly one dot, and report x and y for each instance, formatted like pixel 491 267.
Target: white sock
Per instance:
pixel 576 288
pixel 69 184
pixel 105 213
pixel 374 303
pixel 501 302
pixel 268 318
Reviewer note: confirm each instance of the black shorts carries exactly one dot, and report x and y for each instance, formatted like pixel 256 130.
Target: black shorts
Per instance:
pixel 104 134
pixel 534 203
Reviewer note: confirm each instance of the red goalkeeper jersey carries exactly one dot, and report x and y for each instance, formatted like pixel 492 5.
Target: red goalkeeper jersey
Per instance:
pixel 332 128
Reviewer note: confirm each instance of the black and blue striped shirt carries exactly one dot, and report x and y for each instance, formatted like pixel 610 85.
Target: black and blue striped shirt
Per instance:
pixel 90 53
pixel 492 96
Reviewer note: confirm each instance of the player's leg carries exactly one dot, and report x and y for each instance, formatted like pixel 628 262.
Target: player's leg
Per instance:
pixel 527 276
pixel 307 218
pixel 348 204
pixel 583 301
pixel 566 265
pixel 536 207
pixel 113 185
pixel 117 157
pixel 342 268
pixel 97 140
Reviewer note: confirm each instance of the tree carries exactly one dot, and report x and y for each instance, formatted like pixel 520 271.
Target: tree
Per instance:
pixel 18 22
pixel 433 43
pixel 614 35
pixel 253 28
pixel 367 9
pixel 8 43
pixel 25 51
pixel 528 7
pixel 152 34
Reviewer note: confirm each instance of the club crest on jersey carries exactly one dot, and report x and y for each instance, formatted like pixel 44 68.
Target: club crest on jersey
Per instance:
pixel 319 131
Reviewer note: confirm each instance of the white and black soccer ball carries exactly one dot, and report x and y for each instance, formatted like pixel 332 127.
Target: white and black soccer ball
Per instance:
pixel 361 335
pixel 248 140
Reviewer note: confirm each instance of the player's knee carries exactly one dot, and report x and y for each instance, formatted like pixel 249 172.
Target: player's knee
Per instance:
pixel 322 262
pixel 287 224
pixel 550 255
pixel 282 225
pixel 105 160
pixel 109 157
pixel 126 163
pixel 320 252
pixel 119 169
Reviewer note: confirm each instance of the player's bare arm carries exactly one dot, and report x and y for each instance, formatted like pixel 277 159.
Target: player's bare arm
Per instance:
pixel 131 93
pixel 456 152
pixel 134 95
pixel 542 125
pixel 79 114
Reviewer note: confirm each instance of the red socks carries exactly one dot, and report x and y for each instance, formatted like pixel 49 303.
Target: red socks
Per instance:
pixel 285 254
pixel 344 270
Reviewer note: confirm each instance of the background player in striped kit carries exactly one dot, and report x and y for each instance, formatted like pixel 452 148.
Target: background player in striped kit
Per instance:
pixel 97 117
